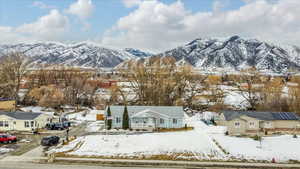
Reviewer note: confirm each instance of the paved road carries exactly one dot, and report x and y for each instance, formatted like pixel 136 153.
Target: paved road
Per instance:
pixel 51 166
pixel 19 165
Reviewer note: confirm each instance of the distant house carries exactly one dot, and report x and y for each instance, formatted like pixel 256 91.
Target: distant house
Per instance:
pixel 148 117
pixel 22 121
pixel 7 104
pixel 253 122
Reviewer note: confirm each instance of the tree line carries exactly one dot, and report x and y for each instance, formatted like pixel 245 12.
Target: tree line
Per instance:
pixel 159 81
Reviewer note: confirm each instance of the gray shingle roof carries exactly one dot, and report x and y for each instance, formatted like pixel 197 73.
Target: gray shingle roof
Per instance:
pixel 171 111
pixel 230 115
pixel 5 99
pixel 21 115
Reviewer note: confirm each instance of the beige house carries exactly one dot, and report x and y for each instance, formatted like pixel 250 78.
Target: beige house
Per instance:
pixel 252 122
pixel 22 121
pixel 7 104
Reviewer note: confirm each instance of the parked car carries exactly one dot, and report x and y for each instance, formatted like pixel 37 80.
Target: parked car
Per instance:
pixel 50 141
pixel 58 126
pixel 6 138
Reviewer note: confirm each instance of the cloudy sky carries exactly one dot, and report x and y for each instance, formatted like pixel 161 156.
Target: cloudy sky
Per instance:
pixel 151 25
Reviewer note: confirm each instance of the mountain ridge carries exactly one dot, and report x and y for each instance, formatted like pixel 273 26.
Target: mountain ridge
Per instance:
pixel 232 53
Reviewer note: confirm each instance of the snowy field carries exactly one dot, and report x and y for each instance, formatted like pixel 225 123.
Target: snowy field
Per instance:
pixel 191 144
pixel 281 148
pixel 197 144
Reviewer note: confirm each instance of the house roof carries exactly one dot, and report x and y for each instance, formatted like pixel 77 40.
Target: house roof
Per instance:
pixel 230 115
pixel 170 111
pixel 5 99
pixel 21 115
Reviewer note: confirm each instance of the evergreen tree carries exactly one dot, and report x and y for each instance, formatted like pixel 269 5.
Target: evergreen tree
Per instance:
pixel 125 124
pixel 108 119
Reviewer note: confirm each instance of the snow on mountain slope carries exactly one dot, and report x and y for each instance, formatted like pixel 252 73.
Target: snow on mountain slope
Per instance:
pixel 81 54
pixel 221 54
pixel 236 53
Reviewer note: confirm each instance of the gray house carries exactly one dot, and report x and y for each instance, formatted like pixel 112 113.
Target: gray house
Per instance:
pixel 148 117
pixel 252 122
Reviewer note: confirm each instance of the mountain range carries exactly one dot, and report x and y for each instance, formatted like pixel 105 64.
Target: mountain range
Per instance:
pixel 233 53
pixel 87 55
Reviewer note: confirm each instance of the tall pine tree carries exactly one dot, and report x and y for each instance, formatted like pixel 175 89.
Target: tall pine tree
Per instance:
pixel 108 119
pixel 125 124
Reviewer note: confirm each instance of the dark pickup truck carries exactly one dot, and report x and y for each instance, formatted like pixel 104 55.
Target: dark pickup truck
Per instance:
pixel 50 141
pixel 58 126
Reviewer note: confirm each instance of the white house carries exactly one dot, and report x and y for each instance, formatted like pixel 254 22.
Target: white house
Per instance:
pixel 23 121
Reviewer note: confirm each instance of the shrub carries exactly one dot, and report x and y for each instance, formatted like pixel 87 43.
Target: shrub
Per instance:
pixel 295 136
pixel 257 138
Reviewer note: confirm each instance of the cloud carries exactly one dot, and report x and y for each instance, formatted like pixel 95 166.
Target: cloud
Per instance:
pixel 49 27
pixel 82 8
pixel 157 26
pixel 42 5
pixel 219 5
pixel 131 3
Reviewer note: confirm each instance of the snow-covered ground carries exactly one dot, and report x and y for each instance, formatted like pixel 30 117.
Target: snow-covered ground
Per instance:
pixel 5 150
pixel 37 109
pixel 191 144
pixel 194 144
pixel 95 126
pixel 86 115
pixel 281 148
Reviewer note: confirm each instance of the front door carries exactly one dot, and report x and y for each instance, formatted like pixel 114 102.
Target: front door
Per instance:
pixel 150 123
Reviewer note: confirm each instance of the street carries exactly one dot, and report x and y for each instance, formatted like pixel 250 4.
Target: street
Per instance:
pixel 18 165
pixel 50 166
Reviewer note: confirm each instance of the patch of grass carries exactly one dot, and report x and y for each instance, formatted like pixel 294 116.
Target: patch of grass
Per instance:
pixel 175 129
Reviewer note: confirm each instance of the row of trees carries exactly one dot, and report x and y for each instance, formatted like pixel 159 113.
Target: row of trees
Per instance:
pixel 156 82
pixel 48 87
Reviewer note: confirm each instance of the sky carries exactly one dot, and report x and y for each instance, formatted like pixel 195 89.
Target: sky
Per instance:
pixel 150 25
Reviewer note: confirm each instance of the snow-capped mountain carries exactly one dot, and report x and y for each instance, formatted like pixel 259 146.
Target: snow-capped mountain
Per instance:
pixel 82 54
pixel 236 53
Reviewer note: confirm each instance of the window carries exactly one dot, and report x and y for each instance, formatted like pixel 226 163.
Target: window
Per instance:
pixel 268 124
pixel 251 124
pixel 26 124
pixel 118 120
pixel 32 123
pixel 1 124
pixel 237 124
pixel 175 121
pixel 6 124
pixel 161 121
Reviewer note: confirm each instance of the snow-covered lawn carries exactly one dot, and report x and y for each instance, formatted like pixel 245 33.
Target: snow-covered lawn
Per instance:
pixel 189 144
pixel 196 144
pixel 281 148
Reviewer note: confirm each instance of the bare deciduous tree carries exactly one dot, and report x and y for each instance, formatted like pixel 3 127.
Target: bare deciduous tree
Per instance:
pixel 12 70
pixel 250 86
